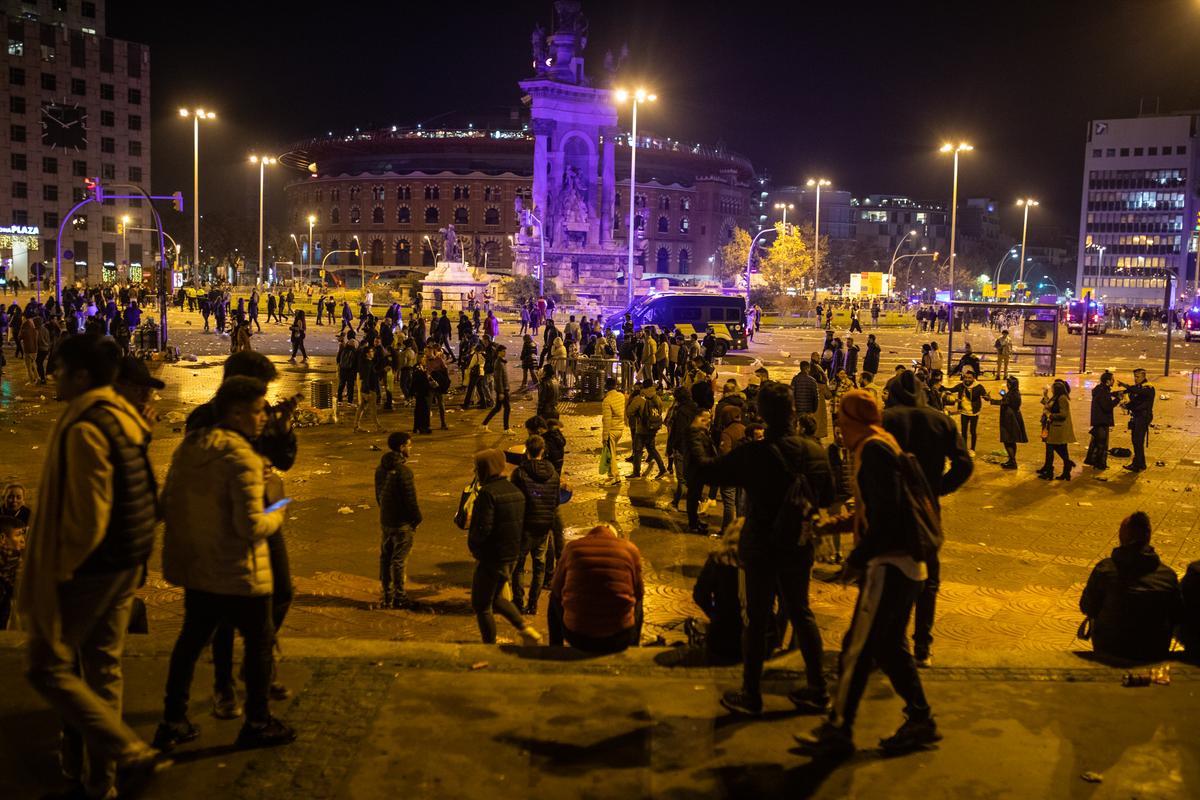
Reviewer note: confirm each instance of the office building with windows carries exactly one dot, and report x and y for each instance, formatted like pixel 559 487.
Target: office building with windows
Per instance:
pixel 76 105
pixel 1138 216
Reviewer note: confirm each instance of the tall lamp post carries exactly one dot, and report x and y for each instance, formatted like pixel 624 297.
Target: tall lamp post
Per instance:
pixel 362 268
pixel 817 182
pixel 896 252
pixel 1027 202
pixel 638 96
pixel 961 147
pixel 784 207
pixel 263 162
pixel 312 220
pixel 125 220
pixel 196 116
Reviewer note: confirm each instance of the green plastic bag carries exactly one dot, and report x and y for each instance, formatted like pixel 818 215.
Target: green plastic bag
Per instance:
pixel 605 459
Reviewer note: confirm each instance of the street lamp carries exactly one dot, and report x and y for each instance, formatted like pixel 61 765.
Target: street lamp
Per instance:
pixel 362 268
pixel 784 207
pixel 1012 251
pixel 961 147
pixel 196 116
pixel 1027 202
pixel 312 220
pixel 817 182
pixel 896 252
pixel 125 220
pixel 262 162
pixel 638 96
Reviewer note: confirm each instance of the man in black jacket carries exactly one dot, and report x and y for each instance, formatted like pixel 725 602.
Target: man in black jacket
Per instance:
pixel 494 539
pixel 399 516
pixel 539 483
pixel 767 470
pixel 1141 414
pixel 932 438
pixel 891 569
pixel 1132 598
pixel 1104 400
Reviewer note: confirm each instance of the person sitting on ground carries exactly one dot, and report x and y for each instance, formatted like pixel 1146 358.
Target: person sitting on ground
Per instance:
pixel 1189 629
pixel 596 595
pixel 968 360
pixel 13 504
pixel 12 548
pixel 718 594
pixel 1132 599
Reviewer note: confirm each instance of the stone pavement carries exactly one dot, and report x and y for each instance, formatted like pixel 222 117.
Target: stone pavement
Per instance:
pixel 380 720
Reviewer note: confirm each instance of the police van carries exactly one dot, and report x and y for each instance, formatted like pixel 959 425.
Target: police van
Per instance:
pixel 687 312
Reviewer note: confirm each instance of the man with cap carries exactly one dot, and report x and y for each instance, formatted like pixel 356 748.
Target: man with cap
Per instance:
pixel 1140 403
pixel 137 385
pixel 890 571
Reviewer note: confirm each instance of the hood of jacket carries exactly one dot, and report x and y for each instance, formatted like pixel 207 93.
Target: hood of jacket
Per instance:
pixel 539 470
pixel 904 390
pixel 1135 560
pixel 391 460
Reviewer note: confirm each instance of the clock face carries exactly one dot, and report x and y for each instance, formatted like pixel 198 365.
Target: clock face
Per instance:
pixel 64 125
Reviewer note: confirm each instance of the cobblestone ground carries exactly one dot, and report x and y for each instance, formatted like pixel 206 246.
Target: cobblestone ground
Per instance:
pixel 1018 551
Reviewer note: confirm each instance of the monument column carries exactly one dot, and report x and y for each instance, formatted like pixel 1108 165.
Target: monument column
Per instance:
pixel 542 130
pixel 608 183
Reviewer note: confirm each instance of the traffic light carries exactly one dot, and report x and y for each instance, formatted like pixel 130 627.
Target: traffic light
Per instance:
pixel 177 201
pixel 94 188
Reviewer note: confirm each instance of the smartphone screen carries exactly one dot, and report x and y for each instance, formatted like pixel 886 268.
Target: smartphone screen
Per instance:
pixel 277 505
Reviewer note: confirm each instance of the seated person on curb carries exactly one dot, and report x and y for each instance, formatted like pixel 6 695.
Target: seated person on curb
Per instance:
pixel 1189 630
pixel 1132 598
pixel 718 594
pixel 596 596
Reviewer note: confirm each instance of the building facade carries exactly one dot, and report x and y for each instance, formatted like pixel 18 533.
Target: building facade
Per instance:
pixel 1139 209
pixel 77 106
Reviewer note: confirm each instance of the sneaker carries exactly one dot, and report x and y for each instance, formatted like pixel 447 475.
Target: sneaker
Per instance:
pixel 401 602
pixel 271 733
pixel 923 659
pixel 914 734
pixel 741 702
pixel 225 703
pixel 511 431
pixel 278 691
pixel 530 637
pixel 484 429
pixel 971 453
pixel 810 700
pixel 136 767
pixel 170 735
pixel 828 741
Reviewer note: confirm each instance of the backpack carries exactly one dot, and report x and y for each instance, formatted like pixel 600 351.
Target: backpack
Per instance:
pixel 651 416
pixel 794 523
pixel 923 526
pixel 347 359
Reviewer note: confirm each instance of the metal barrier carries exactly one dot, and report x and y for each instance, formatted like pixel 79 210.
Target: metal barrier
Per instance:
pixel 591 373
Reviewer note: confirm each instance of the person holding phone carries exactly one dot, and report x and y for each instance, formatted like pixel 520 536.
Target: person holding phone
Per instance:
pixel 1012 424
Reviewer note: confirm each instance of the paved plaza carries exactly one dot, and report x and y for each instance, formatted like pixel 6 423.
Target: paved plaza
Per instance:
pixel 1017 555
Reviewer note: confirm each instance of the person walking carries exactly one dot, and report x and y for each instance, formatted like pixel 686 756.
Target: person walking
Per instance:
pixel 1140 404
pixel 368 386
pixel 612 425
pixel 500 381
pixel 1104 401
pixel 1058 431
pixel 1012 423
pixel 644 413
pixel 494 539
pixel 297 331
pixel 871 358
pixel 970 395
pixel 775 553
pixel 215 548
pixel 937 445
pixel 892 568
pixel 539 482
pixel 399 516
pixel 86 555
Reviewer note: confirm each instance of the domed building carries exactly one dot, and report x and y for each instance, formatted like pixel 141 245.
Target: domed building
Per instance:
pixel 392 190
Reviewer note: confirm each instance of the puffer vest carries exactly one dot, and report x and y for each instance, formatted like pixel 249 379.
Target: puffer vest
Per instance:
pixel 129 539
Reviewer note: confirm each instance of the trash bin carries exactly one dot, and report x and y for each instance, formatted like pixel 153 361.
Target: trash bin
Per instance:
pixel 320 394
pixel 146 338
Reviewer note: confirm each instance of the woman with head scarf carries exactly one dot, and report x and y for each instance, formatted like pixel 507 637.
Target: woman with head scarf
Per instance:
pixel 1012 424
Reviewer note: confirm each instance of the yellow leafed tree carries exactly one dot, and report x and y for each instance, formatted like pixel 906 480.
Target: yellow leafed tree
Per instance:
pixel 788 261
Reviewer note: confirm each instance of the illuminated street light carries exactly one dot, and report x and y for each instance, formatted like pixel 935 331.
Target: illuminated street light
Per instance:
pixel 961 147
pixel 196 116
pixel 1027 202
pixel 817 182
pixel 263 162
pixel 312 220
pixel 638 96
pixel 784 207
pixel 125 220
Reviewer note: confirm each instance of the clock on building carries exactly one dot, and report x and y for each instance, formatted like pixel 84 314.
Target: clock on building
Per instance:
pixel 64 125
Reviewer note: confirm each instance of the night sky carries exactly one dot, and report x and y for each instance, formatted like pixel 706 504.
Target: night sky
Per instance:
pixel 862 93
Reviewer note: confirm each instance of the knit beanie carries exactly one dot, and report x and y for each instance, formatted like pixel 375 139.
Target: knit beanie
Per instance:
pixel 489 463
pixel 859 417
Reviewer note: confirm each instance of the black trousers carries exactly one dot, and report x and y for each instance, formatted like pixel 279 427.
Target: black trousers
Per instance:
pixel 281 600
pixel 598 645
pixel 394 547
pixel 1051 450
pixel 877 638
pixel 346 383
pixel 487 586
pixel 926 606
pixel 202 613
pixel 645 441
pixel 501 402
pixel 969 424
pixel 1140 432
pixel 786 573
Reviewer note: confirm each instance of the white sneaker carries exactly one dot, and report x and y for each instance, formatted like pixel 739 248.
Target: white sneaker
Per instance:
pixel 511 431
pixel 971 453
pixel 484 429
pixel 530 637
